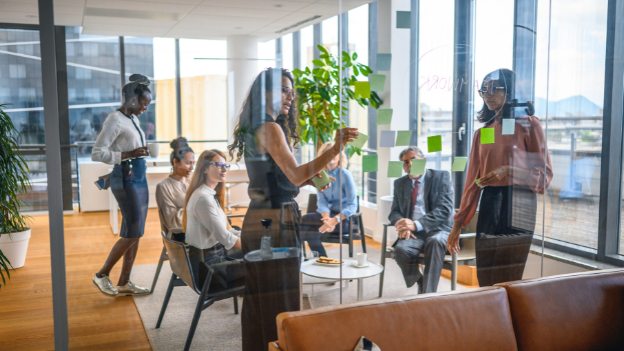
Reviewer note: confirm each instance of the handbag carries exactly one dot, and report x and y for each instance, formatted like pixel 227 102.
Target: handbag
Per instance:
pixel 103 182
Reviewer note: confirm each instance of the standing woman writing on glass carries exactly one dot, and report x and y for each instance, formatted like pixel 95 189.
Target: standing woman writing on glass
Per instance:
pixel 506 175
pixel 122 144
pixel 266 134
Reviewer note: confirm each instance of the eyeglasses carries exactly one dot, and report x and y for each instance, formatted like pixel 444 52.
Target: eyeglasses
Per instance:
pixel 220 165
pixel 490 90
pixel 289 91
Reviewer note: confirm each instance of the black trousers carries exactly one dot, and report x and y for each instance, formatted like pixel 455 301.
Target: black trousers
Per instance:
pixel 504 233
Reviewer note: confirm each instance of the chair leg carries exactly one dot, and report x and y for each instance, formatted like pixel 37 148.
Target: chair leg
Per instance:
pixel 235 304
pixel 158 268
pixel 361 224
pixel 166 302
pixel 196 315
pixel 383 260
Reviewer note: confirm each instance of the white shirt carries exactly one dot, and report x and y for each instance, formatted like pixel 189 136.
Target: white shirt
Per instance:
pixel 419 207
pixel 118 135
pixel 206 223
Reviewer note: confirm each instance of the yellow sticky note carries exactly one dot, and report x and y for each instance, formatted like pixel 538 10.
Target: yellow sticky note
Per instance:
pixel 362 90
pixel 434 143
pixel 487 135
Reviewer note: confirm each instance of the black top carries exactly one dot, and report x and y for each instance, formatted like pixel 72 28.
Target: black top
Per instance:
pixel 268 185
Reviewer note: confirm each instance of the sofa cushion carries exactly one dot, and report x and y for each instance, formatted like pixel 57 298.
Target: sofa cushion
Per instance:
pixel 476 319
pixel 579 311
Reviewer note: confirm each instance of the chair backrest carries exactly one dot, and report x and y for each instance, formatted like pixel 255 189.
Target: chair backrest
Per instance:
pixel 312 206
pixel 179 261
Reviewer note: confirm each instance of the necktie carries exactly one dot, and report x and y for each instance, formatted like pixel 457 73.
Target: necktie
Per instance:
pixel 414 197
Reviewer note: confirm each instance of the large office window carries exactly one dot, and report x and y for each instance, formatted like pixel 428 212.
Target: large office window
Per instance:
pixel 287 52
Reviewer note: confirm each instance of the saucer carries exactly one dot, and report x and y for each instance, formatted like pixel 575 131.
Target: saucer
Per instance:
pixel 354 264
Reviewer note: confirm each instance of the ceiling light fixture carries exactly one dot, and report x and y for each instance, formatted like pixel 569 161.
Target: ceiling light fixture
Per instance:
pixel 298 24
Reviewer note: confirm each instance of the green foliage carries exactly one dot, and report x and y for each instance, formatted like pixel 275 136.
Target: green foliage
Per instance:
pixel 318 95
pixel 15 181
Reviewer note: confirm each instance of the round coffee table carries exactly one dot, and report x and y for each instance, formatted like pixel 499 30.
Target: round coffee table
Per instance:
pixel 313 269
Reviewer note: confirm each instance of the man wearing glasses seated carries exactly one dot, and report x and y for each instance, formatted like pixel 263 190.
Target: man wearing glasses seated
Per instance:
pixel 422 212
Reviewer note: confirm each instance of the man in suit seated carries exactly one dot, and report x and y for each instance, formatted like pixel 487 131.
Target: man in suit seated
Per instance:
pixel 422 212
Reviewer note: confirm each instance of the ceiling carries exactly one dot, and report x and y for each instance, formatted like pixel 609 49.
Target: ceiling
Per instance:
pixel 200 19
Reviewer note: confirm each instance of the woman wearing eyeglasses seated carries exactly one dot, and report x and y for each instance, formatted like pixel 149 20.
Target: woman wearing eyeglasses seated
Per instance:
pixel 505 175
pixel 331 210
pixel 208 232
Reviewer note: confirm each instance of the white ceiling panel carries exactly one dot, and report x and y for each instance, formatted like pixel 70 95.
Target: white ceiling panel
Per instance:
pixel 67 20
pixel 17 7
pixel 76 11
pixel 259 4
pixel 140 6
pixel 70 2
pixel 321 9
pixel 19 17
pixel 184 2
pixel 112 21
pixel 32 2
pixel 239 12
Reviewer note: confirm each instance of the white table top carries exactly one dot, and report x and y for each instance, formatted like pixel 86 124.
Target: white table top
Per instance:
pixel 313 269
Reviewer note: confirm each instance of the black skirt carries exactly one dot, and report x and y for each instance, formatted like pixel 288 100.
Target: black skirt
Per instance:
pixel 129 186
pixel 504 233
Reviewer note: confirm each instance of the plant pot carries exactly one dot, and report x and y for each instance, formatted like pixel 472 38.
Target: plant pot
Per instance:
pixel 14 247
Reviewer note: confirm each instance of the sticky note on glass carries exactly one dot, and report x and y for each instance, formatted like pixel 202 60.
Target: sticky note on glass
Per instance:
pixel 403 138
pixel 369 163
pixel 418 167
pixel 395 169
pixel 384 116
pixel 377 82
pixel 360 141
pixel 487 135
pixel 403 19
pixel 459 164
pixel 509 126
pixel 434 143
pixel 362 90
pixel 321 182
pixel 384 62
pixel 386 138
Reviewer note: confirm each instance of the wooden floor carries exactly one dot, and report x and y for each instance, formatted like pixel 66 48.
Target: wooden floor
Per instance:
pixel 96 321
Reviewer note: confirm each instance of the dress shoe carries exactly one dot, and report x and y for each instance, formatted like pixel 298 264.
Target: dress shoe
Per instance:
pixel 420 283
pixel 105 285
pixel 131 289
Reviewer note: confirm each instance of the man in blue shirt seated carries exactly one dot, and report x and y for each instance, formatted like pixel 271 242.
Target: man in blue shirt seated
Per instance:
pixel 329 214
pixel 422 212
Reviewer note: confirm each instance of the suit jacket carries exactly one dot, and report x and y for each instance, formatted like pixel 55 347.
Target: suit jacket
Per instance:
pixel 438 199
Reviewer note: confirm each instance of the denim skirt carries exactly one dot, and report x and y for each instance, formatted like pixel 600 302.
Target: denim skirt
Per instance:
pixel 129 186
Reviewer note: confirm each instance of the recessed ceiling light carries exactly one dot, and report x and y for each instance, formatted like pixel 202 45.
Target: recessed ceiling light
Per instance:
pixel 278 5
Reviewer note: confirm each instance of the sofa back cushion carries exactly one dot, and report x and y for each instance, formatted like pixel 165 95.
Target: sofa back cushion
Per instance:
pixel 579 311
pixel 477 319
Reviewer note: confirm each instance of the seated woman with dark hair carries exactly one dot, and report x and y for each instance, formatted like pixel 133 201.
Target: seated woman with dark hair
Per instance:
pixel 330 212
pixel 208 233
pixel 170 192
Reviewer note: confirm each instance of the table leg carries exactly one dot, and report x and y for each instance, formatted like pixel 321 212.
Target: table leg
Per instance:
pixel 360 293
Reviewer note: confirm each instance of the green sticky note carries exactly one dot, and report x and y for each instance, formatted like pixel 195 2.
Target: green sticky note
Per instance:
pixel 377 82
pixel 369 163
pixel 459 164
pixel 360 141
pixel 362 90
pixel 321 182
pixel 403 137
pixel 418 166
pixel 384 61
pixel 487 135
pixel 434 143
pixel 403 19
pixel 509 126
pixel 395 169
pixel 384 116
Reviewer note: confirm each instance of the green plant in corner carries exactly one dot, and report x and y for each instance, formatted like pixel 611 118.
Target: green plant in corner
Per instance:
pixel 318 95
pixel 15 181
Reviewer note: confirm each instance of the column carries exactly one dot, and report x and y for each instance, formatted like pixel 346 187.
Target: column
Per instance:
pixel 242 53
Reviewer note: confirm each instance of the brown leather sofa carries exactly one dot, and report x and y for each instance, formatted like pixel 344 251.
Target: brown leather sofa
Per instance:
pixel 580 311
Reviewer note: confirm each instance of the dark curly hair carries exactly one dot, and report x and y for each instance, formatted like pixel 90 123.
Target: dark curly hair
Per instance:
pixel 253 114
pixel 506 78
pixel 137 87
pixel 180 148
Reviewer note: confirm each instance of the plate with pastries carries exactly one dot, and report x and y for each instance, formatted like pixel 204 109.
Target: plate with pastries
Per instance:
pixel 325 261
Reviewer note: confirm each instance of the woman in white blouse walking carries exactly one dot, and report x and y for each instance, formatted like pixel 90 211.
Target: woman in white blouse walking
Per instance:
pixel 205 223
pixel 122 144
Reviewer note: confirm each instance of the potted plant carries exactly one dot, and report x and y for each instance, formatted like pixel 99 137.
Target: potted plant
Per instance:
pixel 14 229
pixel 318 95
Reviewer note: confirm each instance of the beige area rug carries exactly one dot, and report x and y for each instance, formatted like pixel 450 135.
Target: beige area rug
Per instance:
pixel 219 328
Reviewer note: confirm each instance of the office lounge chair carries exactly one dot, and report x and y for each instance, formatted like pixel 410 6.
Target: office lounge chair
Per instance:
pixel 466 255
pixel 208 294
pixel 356 227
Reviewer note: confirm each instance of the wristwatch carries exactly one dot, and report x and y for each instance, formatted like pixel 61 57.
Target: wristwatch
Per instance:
pixel 338 218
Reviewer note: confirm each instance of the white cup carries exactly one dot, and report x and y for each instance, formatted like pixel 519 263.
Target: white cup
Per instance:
pixel 361 258
pixel 153 149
